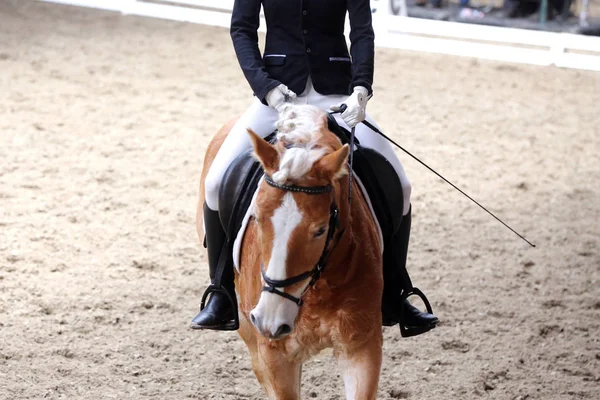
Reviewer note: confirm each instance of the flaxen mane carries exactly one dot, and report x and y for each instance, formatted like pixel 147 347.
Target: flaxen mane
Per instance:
pixel 303 139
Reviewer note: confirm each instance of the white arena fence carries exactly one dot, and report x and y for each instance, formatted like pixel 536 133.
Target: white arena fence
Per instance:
pixel 469 40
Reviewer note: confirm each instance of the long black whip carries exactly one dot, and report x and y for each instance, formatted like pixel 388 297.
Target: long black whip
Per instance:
pixel 374 129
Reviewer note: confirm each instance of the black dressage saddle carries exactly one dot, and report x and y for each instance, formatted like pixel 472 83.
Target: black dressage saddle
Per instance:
pixel 375 172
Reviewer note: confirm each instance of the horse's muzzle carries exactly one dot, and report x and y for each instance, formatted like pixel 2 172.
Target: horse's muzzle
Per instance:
pixel 269 330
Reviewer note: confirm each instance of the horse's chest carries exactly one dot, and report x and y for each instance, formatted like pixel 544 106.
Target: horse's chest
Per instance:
pixel 312 337
pixel 304 345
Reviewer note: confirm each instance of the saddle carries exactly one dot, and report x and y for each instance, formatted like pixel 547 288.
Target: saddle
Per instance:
pixel 375 172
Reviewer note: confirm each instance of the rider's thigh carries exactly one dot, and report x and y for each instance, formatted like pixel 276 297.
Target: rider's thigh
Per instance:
pixel 372 140
pixel 258 117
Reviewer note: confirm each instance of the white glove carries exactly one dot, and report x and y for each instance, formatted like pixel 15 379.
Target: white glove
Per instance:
pixel 279 96
pixel 356 106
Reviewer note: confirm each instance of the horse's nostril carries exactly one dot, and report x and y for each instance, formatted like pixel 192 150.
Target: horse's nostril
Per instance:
pixel 283 330
pixel 252 318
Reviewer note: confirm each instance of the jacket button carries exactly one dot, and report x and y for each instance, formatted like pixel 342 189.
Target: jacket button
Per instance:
pixel 308 49
pixel 304 12
pixel 305 31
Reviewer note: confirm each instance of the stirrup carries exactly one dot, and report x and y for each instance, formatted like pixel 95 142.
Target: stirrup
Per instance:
pixel 230 326
pixel 409 331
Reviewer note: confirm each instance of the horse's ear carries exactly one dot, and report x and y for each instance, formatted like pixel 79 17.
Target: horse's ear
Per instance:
pixel 264 152
pixel 333 165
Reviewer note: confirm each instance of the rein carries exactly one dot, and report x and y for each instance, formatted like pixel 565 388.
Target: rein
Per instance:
pixel 315 273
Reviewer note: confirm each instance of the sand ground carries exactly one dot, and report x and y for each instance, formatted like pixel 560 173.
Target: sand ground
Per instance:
pixel 104 120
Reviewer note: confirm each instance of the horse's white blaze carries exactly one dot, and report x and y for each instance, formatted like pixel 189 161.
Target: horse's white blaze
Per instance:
pixel 285 220
pixel 273 311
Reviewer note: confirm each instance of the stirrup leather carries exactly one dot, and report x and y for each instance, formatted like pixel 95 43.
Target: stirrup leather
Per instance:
pixel 407 331
pixel 234 324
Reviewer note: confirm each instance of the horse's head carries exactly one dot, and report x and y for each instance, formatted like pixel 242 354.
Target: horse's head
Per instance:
pixel 294 212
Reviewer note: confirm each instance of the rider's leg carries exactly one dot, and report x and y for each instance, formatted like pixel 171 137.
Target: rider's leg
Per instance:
pixel 258 117
pixel 396 279
pixel 372 140
pixel 218 312
pixel 397 282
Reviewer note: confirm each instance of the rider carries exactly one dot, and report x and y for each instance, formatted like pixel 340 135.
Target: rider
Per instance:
pixel 306 61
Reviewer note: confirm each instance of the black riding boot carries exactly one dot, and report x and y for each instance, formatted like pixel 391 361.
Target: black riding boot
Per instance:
pixel 397 287
pixel 220 312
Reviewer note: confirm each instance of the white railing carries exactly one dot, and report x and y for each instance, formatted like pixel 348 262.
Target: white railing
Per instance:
pixel 489 42
pixel 478 41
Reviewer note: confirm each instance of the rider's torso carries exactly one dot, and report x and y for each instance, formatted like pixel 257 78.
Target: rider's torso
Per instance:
pixel 306 38
pixel 298 27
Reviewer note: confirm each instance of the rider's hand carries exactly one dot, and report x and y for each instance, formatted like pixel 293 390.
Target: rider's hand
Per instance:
pixel 279 96
pixel 356 106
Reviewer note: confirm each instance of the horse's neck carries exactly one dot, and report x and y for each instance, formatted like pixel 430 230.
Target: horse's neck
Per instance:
pixel 356 221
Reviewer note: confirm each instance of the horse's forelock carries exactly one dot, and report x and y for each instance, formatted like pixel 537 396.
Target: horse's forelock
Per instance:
pixel 300 132
pixel 296 163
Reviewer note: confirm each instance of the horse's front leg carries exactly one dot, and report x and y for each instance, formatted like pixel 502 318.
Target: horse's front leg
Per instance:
pixel 279 377
pixel 360 368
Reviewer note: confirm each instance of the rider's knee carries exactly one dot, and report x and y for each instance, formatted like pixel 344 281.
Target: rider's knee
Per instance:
pixel 406 192
pixel 212 184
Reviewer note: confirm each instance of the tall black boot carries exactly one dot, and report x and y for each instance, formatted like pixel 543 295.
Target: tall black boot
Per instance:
pixel 220 312
pixel 396 308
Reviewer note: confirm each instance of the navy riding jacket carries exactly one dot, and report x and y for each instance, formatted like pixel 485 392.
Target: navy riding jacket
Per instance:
pixel 305 38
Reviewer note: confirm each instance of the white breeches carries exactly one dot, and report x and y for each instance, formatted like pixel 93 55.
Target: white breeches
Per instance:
pixel 261 119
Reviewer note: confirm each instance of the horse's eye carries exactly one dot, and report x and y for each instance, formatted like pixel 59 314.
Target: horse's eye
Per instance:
pixel 320 232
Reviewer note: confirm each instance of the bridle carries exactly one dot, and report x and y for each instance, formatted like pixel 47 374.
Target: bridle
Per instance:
pixel 315 273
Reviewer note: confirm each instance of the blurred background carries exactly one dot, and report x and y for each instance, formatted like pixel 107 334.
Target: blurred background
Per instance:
pixel 105 116
pixel 557 15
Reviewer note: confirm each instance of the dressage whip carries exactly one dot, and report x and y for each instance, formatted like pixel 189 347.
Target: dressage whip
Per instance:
pixel 374 129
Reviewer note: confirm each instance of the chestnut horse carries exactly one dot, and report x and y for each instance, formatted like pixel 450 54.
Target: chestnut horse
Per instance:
pixel 302 224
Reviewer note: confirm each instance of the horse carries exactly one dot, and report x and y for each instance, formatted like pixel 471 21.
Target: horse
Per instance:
pixel 310 269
